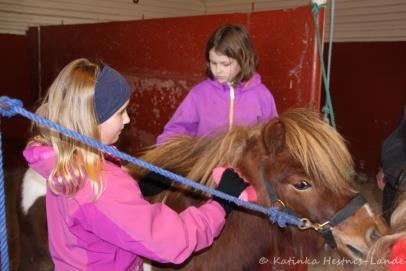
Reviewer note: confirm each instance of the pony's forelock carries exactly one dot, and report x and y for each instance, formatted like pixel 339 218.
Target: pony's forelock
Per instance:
pixel 319 149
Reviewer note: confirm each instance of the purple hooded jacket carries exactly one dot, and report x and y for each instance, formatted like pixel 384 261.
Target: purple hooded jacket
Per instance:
pixel 206 108
pixel 112 232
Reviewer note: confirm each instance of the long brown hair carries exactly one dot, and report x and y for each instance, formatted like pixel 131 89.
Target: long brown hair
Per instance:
pixel 233 41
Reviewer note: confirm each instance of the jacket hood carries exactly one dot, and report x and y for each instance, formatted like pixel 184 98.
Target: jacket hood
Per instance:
pixel 36 153
pixel 242 86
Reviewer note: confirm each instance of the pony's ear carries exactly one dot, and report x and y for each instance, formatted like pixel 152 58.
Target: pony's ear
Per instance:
pixel 273 137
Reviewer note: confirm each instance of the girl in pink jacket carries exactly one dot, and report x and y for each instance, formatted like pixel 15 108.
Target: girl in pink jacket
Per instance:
pixel 97 217
pixel 232 95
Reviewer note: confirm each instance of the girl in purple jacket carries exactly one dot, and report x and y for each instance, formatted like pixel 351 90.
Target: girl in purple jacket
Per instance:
pixel 97 217
pixel 233 93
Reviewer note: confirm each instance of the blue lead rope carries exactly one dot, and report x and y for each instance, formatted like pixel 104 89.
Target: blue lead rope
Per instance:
pixel 3 220
pixel 15 107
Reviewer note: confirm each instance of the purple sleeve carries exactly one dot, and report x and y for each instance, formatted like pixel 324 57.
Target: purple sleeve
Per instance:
pixel 122 217
pixel 184 122
pixel 268 106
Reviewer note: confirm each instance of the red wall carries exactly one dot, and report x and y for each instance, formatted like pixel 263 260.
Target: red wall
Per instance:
pixel 14 76
pixel 14 83
pixel 368 83
pixel 164 58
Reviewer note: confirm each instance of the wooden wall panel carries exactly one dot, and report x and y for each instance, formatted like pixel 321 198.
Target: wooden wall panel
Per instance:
pixel 368 86
pixel 14 80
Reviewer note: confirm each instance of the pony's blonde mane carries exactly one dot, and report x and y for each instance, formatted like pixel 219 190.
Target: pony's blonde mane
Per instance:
pixel 195 158
pixel 319 149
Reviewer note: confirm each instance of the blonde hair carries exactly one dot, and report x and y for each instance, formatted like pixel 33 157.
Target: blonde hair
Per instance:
pixel 70 102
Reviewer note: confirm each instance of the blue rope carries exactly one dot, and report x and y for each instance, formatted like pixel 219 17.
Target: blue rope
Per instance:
pixel 15 107
pixel 3 220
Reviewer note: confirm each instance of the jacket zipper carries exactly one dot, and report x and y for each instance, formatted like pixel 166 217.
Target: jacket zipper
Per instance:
pixel 231 112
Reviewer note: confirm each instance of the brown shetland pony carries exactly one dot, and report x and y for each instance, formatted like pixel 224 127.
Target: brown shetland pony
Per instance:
pixel 311 171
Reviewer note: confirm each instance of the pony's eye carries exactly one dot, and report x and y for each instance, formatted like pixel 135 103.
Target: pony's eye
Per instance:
pixel 302 185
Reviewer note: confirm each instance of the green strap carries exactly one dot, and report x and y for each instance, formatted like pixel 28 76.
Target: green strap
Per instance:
pixel 328 107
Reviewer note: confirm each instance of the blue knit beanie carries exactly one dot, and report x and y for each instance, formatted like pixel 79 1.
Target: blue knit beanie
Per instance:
pixel 112 91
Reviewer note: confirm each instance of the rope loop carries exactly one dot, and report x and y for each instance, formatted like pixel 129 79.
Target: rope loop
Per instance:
pixel 8 106
pixel 326 113
pixel 283 219
pixel 316 7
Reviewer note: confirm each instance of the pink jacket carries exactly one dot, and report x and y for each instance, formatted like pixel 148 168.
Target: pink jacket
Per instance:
pixel 207 108
pixel 113 232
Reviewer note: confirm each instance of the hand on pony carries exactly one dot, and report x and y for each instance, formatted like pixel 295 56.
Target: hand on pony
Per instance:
pixel 230 182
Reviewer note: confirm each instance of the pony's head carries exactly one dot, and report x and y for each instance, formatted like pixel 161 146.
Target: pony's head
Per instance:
pixel 311 171
pixel 304 161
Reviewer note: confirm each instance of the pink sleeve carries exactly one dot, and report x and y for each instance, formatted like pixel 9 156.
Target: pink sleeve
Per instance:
pixel 122 217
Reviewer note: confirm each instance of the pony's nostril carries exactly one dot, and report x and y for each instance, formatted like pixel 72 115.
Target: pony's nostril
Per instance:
pixel 356 252
pixel 374 235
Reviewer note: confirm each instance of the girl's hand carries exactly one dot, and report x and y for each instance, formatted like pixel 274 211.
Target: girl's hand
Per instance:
pixel 248 194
